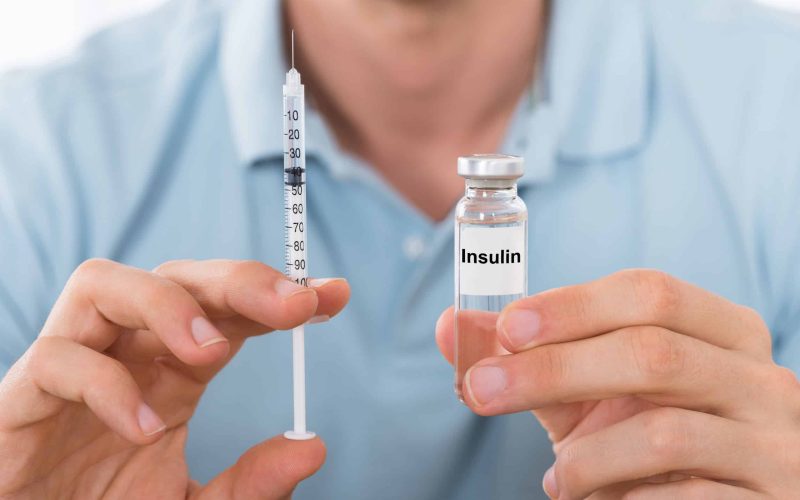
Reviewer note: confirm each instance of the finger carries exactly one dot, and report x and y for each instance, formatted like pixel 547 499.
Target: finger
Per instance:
pixel 657 442
pixel 269 471
pixel 56 370
pixel 470 333
pixel 691 489
pixel 567 422
pixel 227 288
pixel 102 296
pixel 619 490
pixel 652 363
pixel 630 298
pixel 445 332
pixel 143 345
pixel 332 293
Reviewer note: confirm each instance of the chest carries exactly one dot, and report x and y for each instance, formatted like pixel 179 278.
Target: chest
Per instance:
pixel 378 387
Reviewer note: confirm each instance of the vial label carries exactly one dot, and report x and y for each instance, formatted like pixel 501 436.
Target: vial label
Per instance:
pixel 492 260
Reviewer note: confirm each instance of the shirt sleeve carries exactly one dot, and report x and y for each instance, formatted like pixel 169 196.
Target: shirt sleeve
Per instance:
pixel 774 174
pixel 39 230
pixel 786 234
pixel 780 217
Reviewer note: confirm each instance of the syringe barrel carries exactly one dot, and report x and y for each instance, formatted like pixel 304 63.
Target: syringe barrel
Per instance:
pixel 294 179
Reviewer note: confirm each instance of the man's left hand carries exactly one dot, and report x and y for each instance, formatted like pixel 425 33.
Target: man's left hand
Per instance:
pixel 648 386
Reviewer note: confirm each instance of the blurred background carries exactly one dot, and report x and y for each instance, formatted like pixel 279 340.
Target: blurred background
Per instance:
pixel 35 31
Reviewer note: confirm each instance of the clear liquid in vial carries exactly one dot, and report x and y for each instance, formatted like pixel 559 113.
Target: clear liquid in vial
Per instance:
pixel 476 315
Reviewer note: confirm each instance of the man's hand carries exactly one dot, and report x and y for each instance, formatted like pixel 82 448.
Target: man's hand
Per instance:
pixel 98 406
pixel 649 387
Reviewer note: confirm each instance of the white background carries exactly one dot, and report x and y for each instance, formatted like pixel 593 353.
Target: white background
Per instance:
pixel 34 31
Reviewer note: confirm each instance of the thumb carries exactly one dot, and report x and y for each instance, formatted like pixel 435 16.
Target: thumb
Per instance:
pixel 444 333
pixel 270 470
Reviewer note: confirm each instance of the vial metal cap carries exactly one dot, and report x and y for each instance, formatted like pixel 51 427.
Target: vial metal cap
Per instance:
pixel 491 166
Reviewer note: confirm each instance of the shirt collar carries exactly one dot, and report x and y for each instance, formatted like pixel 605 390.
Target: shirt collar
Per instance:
pixel 591 98
pixel 596 77
pixel 251 64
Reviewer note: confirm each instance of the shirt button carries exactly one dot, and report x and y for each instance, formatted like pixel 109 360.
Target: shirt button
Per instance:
pixel 413 247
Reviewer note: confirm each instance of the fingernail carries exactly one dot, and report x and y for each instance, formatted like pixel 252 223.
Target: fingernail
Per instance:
pixel 321 318
pixel 149 422
pixel 485 383
pixel 520 326
pixel 204 333
pixel 286 288
pixel 549 482
pixel 320 282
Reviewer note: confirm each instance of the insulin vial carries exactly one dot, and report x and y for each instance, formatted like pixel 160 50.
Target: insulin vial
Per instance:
pixel 491 243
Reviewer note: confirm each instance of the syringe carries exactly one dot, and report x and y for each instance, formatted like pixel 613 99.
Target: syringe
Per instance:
pixel 294 197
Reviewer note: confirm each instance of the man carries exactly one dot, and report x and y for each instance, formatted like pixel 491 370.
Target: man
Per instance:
pixel 658 135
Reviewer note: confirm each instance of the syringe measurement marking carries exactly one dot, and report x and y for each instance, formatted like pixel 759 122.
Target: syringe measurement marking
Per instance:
pixel 295 206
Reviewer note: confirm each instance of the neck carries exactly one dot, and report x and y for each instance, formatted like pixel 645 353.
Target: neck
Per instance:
pixel 409 86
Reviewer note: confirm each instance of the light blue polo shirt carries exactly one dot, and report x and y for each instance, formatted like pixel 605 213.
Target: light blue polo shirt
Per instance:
pixel 662 134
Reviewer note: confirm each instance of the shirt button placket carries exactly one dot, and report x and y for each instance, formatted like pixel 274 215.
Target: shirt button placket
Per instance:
pixel 413 247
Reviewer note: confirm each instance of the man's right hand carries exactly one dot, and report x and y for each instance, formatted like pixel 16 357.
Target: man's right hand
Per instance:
pixel 98 406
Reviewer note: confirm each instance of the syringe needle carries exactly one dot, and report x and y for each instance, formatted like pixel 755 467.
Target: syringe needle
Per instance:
pixel 292 49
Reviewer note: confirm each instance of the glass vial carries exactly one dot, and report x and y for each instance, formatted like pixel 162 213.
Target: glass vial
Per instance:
pixel 491 249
